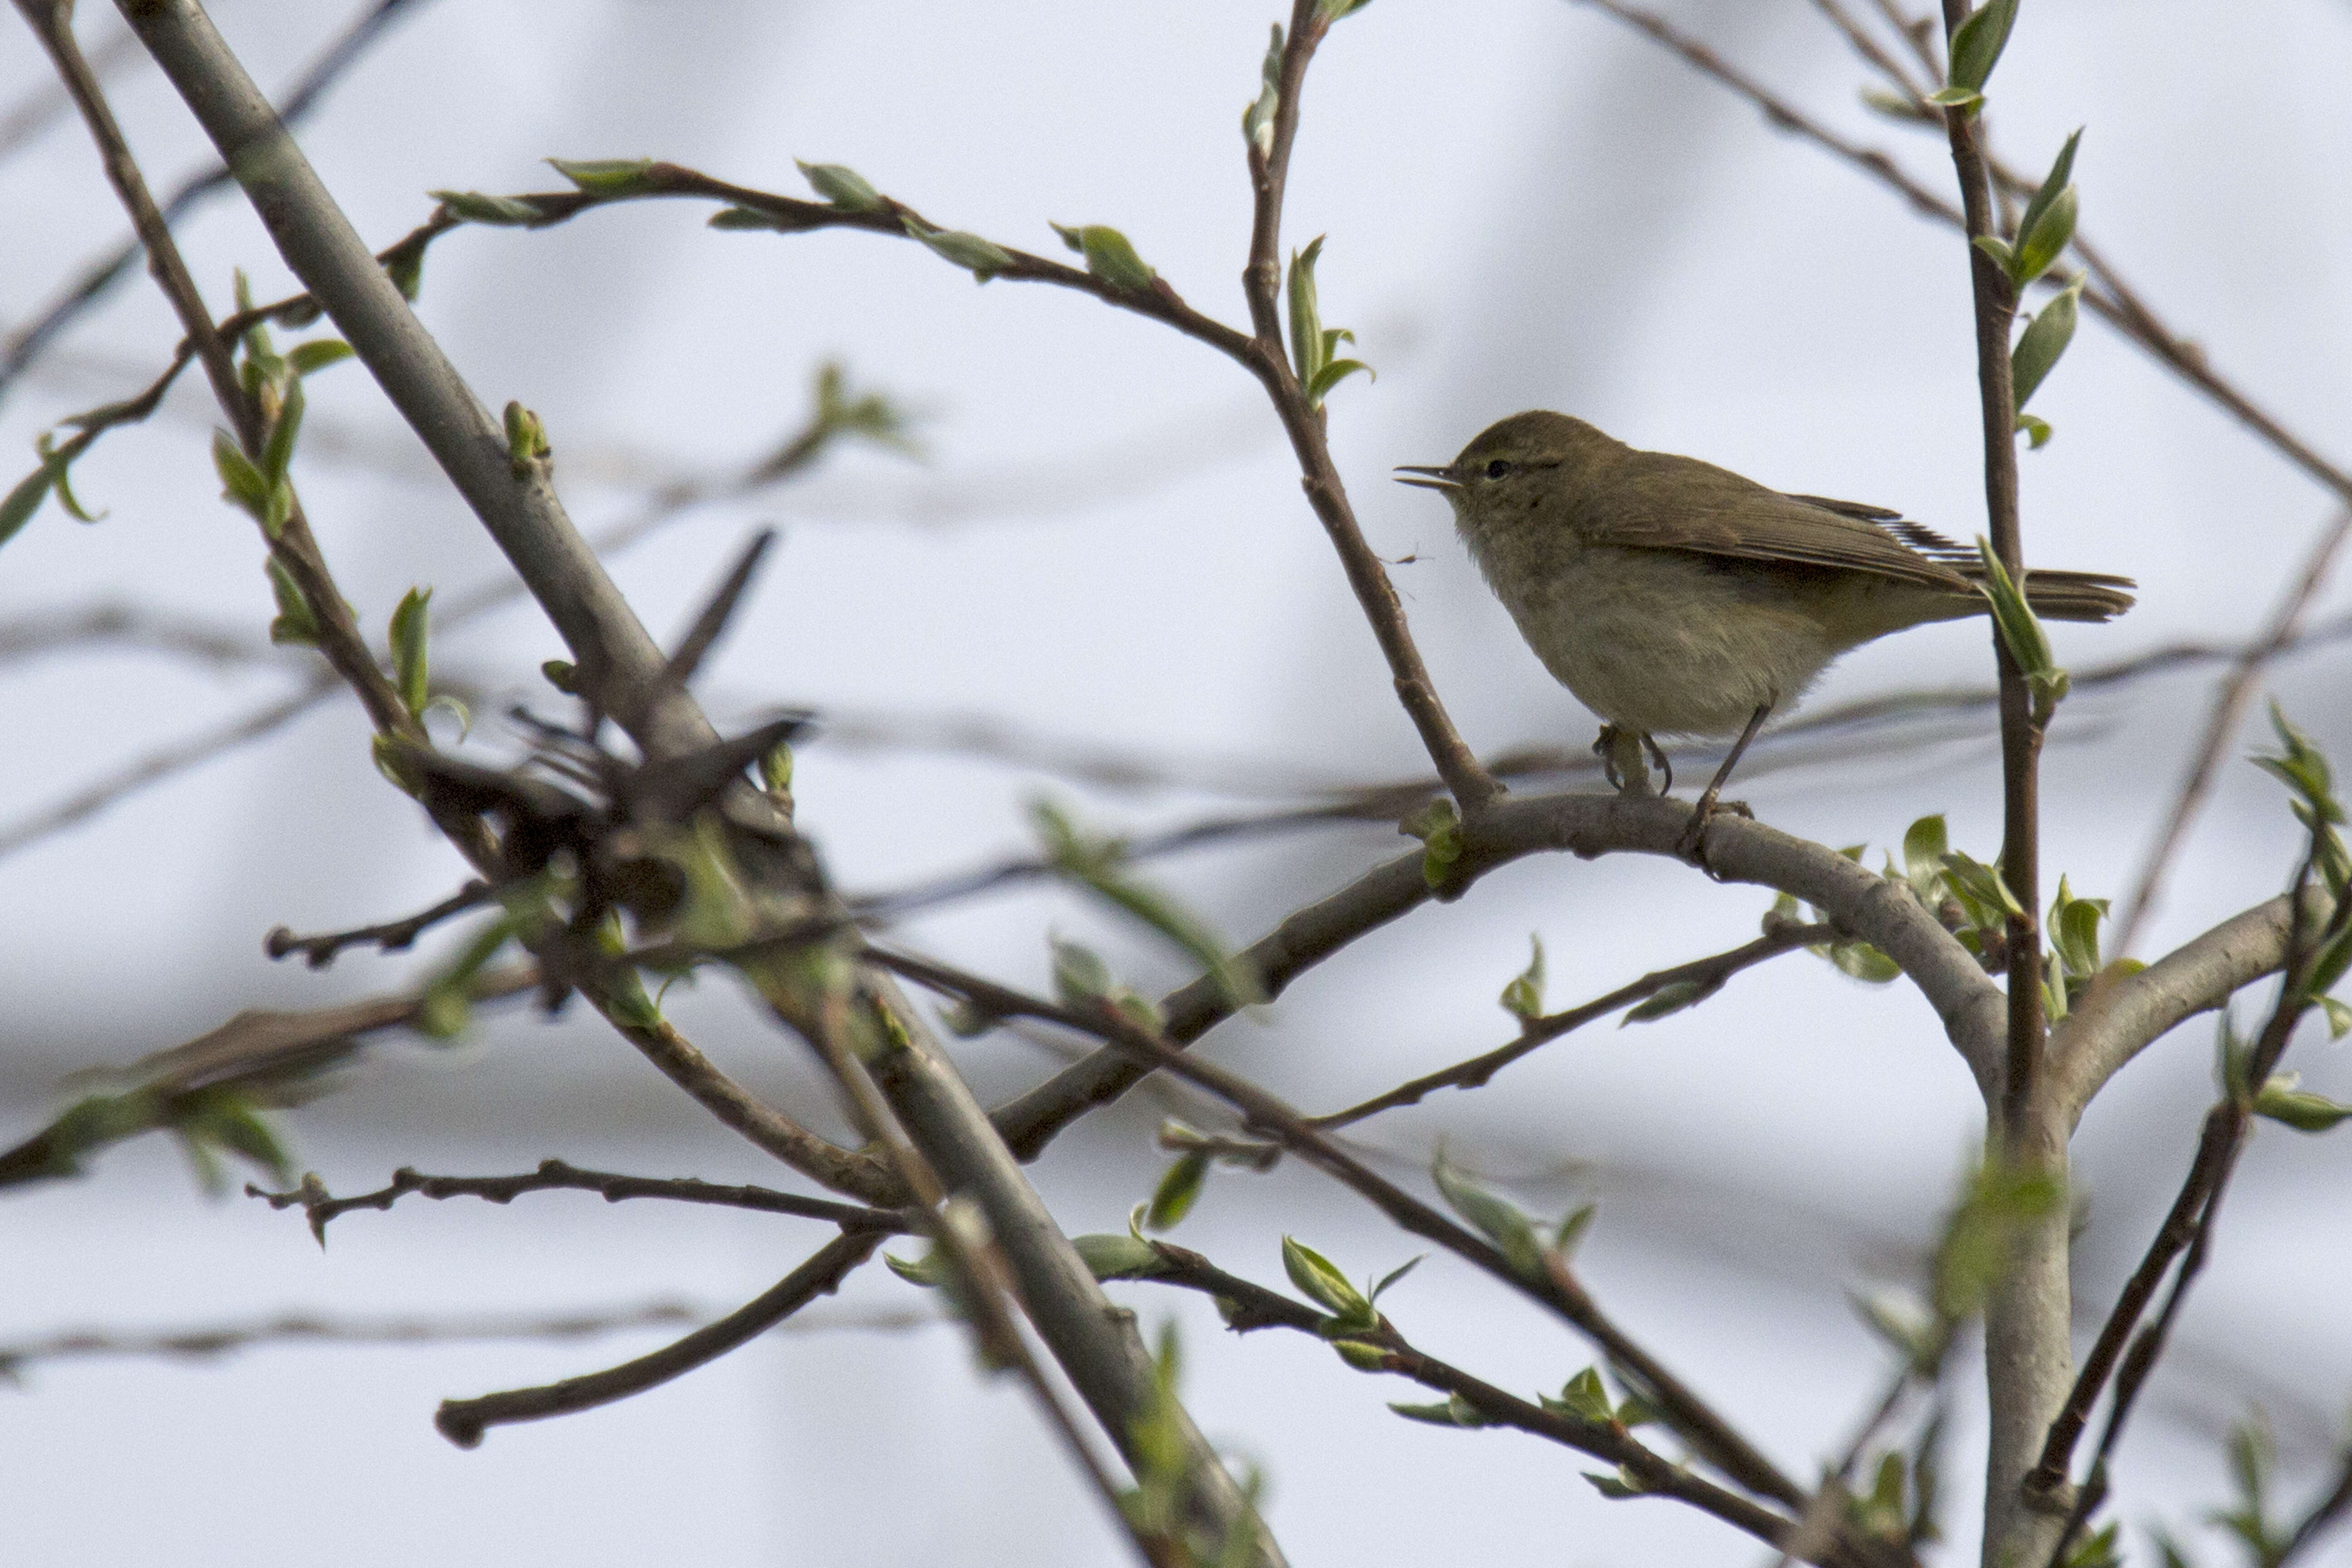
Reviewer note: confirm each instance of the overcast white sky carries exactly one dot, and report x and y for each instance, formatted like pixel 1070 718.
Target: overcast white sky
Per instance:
pixel 1527 205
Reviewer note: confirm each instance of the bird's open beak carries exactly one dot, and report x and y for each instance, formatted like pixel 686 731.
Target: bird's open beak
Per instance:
pixel 1435 479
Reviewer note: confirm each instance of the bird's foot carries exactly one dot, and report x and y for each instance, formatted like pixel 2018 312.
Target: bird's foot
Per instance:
pixel 1692 845
pixel 1620 750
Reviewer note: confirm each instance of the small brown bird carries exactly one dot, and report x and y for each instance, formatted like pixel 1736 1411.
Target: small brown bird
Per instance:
pixel 1673 597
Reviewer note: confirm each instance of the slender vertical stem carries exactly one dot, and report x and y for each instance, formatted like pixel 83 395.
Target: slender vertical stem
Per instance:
pixel 2027 1349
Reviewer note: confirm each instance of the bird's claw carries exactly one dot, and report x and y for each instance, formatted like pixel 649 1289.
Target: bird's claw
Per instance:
pixel 1692 845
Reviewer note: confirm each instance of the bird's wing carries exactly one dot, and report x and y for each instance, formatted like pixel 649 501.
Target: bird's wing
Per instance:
pixel 1657 501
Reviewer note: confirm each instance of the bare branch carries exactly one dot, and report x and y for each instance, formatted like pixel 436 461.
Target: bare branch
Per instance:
pixel 26 344
pixel 195 1344
pixel 2231 696
pixel 554 1175
pixel 463 1421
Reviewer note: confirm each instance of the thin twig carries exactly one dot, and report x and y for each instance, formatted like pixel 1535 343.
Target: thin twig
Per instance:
pixel 321 1207
pixel 1703 976
pixel 2231 696
pixel 26 343
pixel 392 936
pixel 2188 1225
pixel 1555 1288
pixel 2108 299
pixel 463 1421
pixel 1248 1307
pixel 191 1344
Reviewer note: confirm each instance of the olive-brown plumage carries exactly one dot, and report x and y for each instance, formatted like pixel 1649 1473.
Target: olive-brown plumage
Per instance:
pixel 1673 597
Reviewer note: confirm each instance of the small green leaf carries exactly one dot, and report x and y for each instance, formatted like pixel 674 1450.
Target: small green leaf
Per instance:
pixel 1363 1356
pixel 1333 10
pixel 1669 999
pixel 562 674
pixel 2074 931
pixel 1573 1224
pixel 1110 1256
pixel 2047 225
pixel 295 624
pixel 449 996
pixel 745 217
pixel 1110 256
pixel 472 206
pixel 277 452
pixel 2037 431
pixel 1439 827
pixel 307 359
pixel 2022 634
pixel 1258 120
pixel 931 1271
pixel 605 176
pixel 1523 998
pixel 1173 1199
pixel 526 439
pixel 241 483
pixel 1925 843
pixel 2338 1016
pixel 59 467
pixel 2283 1101
pixel 1309 347
pixel 1981 885
pixel 2045 339
pixel 1499 1218
pixel 1320 1281
pixel 982 258
pixel 1393 1275
pixel 23 501
pixel 1449 1412
pixel 1976 44
pixel 1956 98
pixel 1864 962
pixel 410 665
pixel 1617 1488
pixel 1586 1399
pixel 842 188
pixel 405 269
pixel 2002 257
pixel 1332 374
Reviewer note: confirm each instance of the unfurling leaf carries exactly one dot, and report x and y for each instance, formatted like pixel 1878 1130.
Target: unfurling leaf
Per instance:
pixel 1320 1281
pixel 1258 120
pixel 1669 999
pixel 2047 225
pixel 982 258
pixel 1110 1256
pixel 1173 1199
pixel 842 188
pixel 1110 256
pixel 295 624
pixel 1439 827
pixel 1523 998
pixel 1497 1218
pixel 410 665
pixel 472 206
pixel 605 176
pixel 2283 1101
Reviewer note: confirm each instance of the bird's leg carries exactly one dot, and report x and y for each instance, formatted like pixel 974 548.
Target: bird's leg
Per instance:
pixel 1693 838
pixel 1620 750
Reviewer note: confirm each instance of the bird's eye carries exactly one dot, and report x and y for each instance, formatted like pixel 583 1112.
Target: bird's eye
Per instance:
pixel 1499 467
